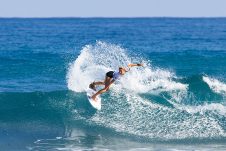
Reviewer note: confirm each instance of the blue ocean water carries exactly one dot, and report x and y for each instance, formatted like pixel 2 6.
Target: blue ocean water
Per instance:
pixel 175 102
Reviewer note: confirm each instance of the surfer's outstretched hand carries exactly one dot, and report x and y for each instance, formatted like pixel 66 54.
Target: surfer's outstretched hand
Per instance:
pixel 140 64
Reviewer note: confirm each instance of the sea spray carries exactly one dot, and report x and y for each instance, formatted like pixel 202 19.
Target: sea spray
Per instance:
pixel 95 60
pixel 147 101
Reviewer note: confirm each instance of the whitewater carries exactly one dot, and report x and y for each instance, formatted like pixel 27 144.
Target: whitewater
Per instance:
pixel 149 101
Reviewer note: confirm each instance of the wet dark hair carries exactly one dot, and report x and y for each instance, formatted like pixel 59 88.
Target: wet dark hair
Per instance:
pixel 120 68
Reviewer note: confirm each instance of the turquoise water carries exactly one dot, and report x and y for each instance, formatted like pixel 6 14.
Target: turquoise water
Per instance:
pixel 175 102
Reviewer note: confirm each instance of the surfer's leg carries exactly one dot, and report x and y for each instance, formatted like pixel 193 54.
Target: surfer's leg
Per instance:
pixel 99 92
pixel 102 82
pixel 98 83
pixel 106 88
pixel 107 85
pixel 107 81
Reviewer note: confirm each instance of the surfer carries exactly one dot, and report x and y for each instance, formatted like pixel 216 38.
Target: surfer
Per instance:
pixel 110 78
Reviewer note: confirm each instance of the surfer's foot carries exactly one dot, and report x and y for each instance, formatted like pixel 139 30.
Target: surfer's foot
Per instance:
pixel 93 98
pixel 92 86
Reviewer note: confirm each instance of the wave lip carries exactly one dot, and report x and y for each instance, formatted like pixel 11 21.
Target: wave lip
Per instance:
pixel 216 85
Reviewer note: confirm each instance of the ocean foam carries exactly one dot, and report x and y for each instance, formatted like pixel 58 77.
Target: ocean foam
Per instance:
pixel 202 109
pixel 95 60
pixel 92 64
pixel 127 111
pixel 141 117
pixel 215 85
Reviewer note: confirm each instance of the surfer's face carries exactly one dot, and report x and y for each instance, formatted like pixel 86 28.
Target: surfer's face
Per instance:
pixel 122 71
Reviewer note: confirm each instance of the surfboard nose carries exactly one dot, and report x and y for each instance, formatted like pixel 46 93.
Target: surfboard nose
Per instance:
pixel 95 103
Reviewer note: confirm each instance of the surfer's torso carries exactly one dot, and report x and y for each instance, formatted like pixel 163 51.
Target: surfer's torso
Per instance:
pixel 115 75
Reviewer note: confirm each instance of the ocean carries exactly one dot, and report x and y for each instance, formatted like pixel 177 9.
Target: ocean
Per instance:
pixel 177 101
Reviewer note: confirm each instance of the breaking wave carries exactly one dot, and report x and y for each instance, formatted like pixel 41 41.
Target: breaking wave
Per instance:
pixel 149 102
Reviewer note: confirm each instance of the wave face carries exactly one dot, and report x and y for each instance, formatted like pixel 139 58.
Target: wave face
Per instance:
pixel 151 102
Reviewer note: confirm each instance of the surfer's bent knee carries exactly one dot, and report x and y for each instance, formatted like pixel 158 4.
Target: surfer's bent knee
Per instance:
pixel 105 89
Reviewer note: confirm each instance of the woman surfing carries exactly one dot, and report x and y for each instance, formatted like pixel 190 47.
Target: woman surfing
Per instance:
pixel 110 77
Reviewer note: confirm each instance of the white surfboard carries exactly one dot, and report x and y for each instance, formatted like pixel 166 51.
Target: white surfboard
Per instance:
pixel 97 103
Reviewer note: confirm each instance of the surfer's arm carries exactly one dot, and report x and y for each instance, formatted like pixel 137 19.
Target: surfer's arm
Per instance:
pixel 133 65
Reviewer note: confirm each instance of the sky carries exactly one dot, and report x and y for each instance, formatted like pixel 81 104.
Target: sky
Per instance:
pixel 112 8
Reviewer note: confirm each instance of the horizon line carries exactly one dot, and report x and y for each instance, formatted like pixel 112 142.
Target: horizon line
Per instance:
pixel 49 17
